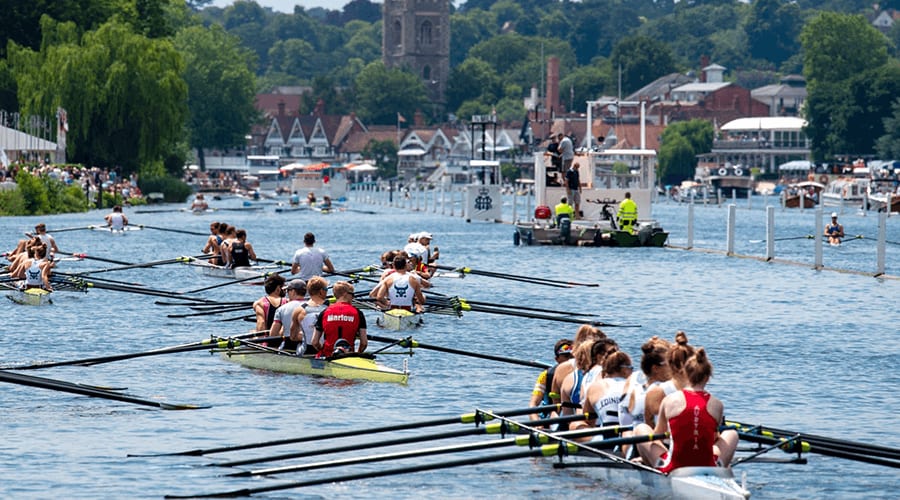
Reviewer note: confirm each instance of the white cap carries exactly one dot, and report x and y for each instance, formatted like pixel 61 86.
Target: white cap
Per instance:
pixel 834 214
pixel 415 250
pixel 412 237
pixel 426 234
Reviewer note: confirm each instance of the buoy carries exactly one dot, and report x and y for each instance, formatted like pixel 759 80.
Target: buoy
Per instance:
pixel 723 171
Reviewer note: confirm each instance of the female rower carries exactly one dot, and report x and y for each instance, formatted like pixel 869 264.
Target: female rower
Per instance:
pixel 570 390
pixel 654 371
pixel 676 357
pixel 692 417
pixel 584 333
pixel 602 397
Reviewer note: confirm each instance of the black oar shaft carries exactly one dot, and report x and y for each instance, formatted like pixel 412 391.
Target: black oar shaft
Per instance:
pixel 46 383
pixel 460 419
pixel 408 342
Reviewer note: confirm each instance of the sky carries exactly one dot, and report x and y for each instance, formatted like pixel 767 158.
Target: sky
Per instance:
pixel 288 5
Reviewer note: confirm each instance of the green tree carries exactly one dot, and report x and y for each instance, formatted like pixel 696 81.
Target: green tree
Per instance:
pixel 221 88
pixel 838 46
pixel 384 153
pixel 642 60
pixel 772 29
pixel 382 93
pixel 680 144
pixel 124 92
pixel 888 145
pixel 468 29
pixel 474 79
pixel 588 83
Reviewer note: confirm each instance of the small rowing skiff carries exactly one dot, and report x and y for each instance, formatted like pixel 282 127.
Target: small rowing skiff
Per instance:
pixel 115 231
pixel 685 483
pixel 352 367
pixel 399 319
pixel 31 297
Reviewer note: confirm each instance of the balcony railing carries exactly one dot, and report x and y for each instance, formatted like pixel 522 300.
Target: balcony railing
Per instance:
pixel 759 144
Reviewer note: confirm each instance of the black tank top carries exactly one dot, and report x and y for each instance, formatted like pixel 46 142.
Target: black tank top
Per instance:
pixel 239 256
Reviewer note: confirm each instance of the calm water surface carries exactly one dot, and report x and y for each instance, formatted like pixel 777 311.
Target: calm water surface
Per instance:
pixel 794 348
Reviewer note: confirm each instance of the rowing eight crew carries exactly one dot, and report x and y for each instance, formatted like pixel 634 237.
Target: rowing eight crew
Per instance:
pixel 228 246
pixel 668 394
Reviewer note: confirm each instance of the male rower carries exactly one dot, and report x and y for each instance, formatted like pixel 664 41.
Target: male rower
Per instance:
pixel 834 231
pixel 281 326
pixel 310 261
pixel 303 319
pixel 199 204
pixel 40 231
pixel 340 324
pixel 240 251
pixel 116 220
pixel 401 289
pixel 212 244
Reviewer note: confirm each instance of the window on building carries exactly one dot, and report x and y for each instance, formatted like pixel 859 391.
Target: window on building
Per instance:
pixel 425 33
pixel 426 73
pixel 398 33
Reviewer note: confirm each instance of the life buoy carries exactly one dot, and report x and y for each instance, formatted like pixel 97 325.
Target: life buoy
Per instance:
pixel 738 171
pixel 723 171
pixel 823 179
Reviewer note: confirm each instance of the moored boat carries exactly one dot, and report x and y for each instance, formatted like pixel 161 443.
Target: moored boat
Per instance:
pixel 361 366
pixel 30 296
pixel 808 192
pixel 851 192
pixel 399 319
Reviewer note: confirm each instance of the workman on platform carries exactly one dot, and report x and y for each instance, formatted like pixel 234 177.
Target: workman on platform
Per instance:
pixel 563 209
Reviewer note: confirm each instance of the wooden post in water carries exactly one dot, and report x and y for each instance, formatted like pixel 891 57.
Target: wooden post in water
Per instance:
pixel 770 233
pixel 690 224
pixel 820 228
pixel 882 239
pixel 729 236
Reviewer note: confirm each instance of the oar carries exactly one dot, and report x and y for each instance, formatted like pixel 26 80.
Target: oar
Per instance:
pixel 522 308
pixel 522 440
pixel 492 428
pixel 99 259
pixel 852 450
pixel 62 230
pixel 194 233
pixel 515 277
pixel 547 450
pixel 56 385
pixel 465 418
pixel 210 343
pixel 804 237
pixel 462 305
pixel 131 289
pixel 166 211
pixel 410 343
pixel 233 282
pixel 147 264
pixel 208 312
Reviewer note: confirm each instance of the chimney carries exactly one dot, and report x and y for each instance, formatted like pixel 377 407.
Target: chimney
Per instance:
pixel 552 85
pixel 320 107
pixel 418 119
pixel 281 108
pixel 704 62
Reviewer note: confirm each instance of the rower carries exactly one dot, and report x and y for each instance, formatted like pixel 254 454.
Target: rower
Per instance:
pixel 692 417
pixel 311 198
pixel 303 322
pixel 266 306
pixel 229 238
pixel 48 240
pixel 326 203
pixel 213 243
pixel 309 261
pixel 676 357
pixel 295 199
pixel 401 289
pixel 602 397
pixel 240 252
pixel 424 239
pixel 116 220
pixel 834 231
pixel 199 204
pixel 654 371
pixel 541 394
pixel 281 326
pixel 585 332
pixel 37 270
pixel 340 324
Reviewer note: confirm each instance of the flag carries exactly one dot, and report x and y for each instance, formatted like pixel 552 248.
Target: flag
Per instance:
pixel 400 118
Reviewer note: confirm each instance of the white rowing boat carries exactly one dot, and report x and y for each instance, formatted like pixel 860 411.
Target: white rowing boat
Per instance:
pixel 399 319
pixel 214 271
pixel 352 367
pixel 115 231
pixel 685 483
pixel 31 297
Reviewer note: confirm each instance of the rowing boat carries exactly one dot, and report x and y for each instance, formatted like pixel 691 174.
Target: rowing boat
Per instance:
pixel 214 271
pixel 352 367
pixel 399 319
pixel 30 297
pixel 115 231
pixel 687 483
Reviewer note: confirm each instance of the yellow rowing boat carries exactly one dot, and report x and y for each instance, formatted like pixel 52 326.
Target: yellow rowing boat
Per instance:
pixel 353 367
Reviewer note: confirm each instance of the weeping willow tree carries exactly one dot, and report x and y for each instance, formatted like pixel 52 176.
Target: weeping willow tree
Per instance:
pixel 125 97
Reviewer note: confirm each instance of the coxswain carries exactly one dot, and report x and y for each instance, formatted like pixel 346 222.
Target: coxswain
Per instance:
pixel 627 215
pixel 340 324
pixel 834 231
pixel 266 305
pixel 303 322
pixel 542 394
pixel 401 289
pixel 310 261
pixel 692 418
pixel 116 220
pixel 199 204
pixel 281 325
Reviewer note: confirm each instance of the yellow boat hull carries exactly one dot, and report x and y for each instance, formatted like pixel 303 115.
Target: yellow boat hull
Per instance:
pixel 31 297
pixel 348 368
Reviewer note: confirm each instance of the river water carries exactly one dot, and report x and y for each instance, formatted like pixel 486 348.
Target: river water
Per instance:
pixel 793 348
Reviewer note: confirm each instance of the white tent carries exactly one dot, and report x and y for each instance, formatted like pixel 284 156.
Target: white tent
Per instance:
pixel 803 165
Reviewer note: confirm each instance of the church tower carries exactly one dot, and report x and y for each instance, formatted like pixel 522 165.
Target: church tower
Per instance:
pixel 417 37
